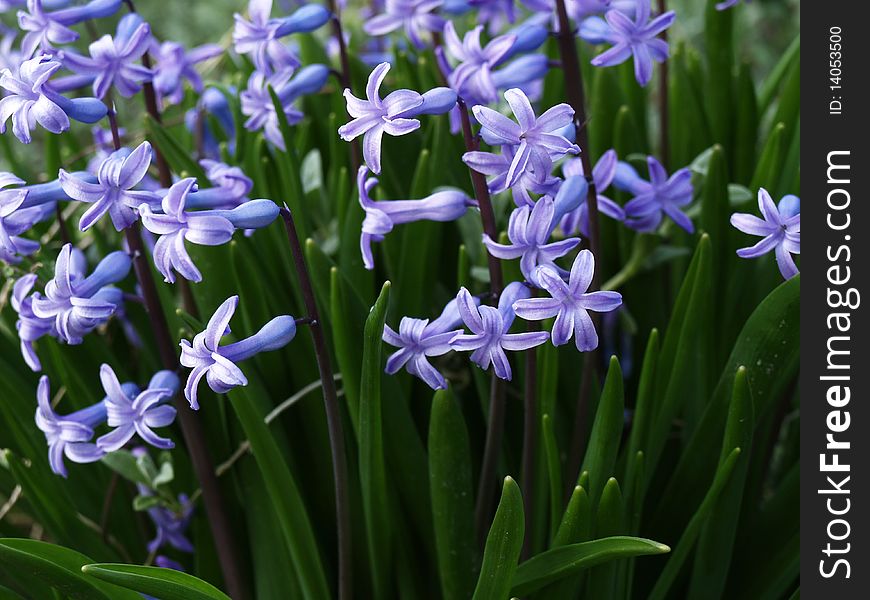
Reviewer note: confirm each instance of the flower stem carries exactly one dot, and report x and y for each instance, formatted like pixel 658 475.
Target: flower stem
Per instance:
pixel 344 74
pixel 577 99
pixel 191 427
pixel 333 413
pixel 530 440
pixel 664 116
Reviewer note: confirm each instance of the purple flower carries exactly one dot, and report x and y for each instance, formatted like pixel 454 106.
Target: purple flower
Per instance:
pixel 112 60
pixel 133 412
pixel 206 357
pixel 113 193
pixel 258 106
pixel 780 230
pixel 726 4
pixel 173 64
pixel 472 78
pixel 15 220
pixel 660 195
pixel 382 216
pixel 30 327
pixel 259 37
pixel 418 340
pixel 570 303
pixel 170 524
pixel 497 167
pixel 31 101
pixel 47 28
pixel 414 15
pixel 79 304
pixel 233 184
pixel 489 327
pixel 68 435
pixel 636 38
pixel 536 138
pixel 529 229
pixel 602 175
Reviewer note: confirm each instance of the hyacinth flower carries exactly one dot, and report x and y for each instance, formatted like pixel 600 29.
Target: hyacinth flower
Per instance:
pixel 78 303
pixel 416 16
pixel 260 36
pixel 374 116
pixel 418 340
pixel 570 303
pixel 780 229
pixel 133 412
pixel 207 358
pixel 230 187
pixel 207 228
pixel 496 168
pixel 14 220
pixel 170 525
pixel 726 4
pixel 258 106
pixel 472 76
pixel 113 192
pixel 31 100
pixel 637 38
pixel 47 28
pixel 537 139
pixel 68 435
pixel 383 215
pixel 30 327
pixel 602 176
pixel 529 230
pixel 490 337
pixel 173 64
pixel 212 102
pixel 660 195
pixel 113 60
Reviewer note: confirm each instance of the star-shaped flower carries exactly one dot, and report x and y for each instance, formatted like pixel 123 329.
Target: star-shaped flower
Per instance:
pixel 30 327
pixel 602 175
pixel 207 358
pixel 570 303
pixel 68 435
pixel 15 220
pixel 638 38
pixel 489 337
pixel 418 340
pixel 529 230
pixel 133 412
pixel 173 64
pixel 660 195
pixel 472 77
pixel 113 193
pixel 780 228
pixel 416 16
pixel 536 138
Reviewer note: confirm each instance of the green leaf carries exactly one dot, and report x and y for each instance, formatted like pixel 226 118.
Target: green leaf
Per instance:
pixel 576 523
pixel 690 533
pixel 603 445
pixel 372 468
pixel 768 168
pixel 564 561
pixel 60 568
pixel 603 580
pixel 166 584
pixel 774 79
pixel 554 472
pixel 450 485
pixel 746 133
pixel 125 464
pixel 292 514
pixel 503 545
pixel 719 37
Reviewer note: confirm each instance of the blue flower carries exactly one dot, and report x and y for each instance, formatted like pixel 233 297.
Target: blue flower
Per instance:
pixel 414 15
pixel 529 230
pixel 47 28
pixel 373 116
pixel 30 327
pixel 15 220
pixel 382 216
pixel 489 327
pixel 113 193
pixel 112 60
pixel 780 230
pixel 173 64
pixel 68 435
pixel 602 175
pixel 207 358
pixel 418 340
pixel 570 303
pixel 472 77
pixel 497 167
pixel 660 195
pixel 638 38
pixel 79 304
pixel 131 411
pixel 537 139
pixel 170 524
pixel 31 100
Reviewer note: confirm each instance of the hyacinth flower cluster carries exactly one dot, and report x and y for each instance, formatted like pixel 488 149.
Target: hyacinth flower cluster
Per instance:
pixel 779 228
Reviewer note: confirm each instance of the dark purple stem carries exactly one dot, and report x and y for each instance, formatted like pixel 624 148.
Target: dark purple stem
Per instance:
pixel 344 74
pixel 664 116
pixel 333 413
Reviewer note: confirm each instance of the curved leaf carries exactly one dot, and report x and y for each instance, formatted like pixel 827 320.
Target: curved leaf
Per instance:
pixel 166 584
pixel 503 545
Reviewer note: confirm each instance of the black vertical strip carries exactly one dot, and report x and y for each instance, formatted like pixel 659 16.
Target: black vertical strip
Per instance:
pixel 835 407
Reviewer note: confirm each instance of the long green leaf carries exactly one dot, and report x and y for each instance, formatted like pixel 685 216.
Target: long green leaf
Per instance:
pixel 603 445
pixel 563 561
pixel 166 584
pixel 372 468
pixel 503 546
